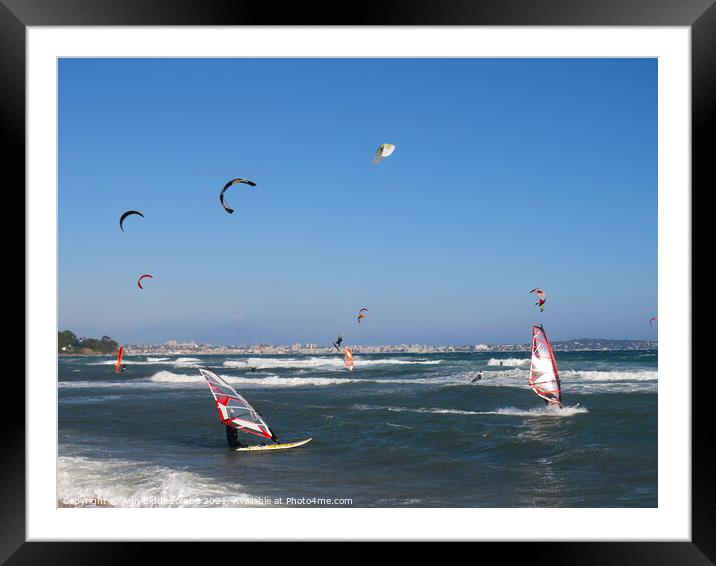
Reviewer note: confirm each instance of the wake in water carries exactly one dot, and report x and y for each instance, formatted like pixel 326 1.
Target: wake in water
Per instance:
pixel 547 411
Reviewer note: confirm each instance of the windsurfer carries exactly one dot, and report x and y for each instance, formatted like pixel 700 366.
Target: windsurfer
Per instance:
pixel 232 437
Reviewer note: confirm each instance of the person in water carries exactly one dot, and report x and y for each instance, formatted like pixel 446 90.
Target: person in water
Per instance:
pixel 122 368
pixel 478 377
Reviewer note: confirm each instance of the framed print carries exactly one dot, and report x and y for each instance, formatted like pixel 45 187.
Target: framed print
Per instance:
pixel 422 276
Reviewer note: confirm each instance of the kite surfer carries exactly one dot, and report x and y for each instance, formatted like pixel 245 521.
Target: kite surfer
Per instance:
pixel 338 342
pixel 478 377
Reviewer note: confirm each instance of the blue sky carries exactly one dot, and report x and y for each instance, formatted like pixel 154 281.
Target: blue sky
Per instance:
pixel 509 174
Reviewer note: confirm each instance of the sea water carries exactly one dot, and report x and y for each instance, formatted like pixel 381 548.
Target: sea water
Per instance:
pixel 401 430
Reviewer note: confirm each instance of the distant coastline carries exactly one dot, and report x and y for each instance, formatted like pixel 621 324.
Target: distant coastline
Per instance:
pixel 582 345
pixel 106 346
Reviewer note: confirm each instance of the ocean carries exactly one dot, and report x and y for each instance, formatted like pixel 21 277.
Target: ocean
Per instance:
pixel 402 430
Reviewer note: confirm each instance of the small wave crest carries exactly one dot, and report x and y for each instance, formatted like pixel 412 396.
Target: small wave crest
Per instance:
pixel 272 380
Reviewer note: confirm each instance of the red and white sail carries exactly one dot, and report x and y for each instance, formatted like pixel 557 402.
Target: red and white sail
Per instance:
pixel 544 375
pixel 348 359
pixel 234 410
pixel 118 367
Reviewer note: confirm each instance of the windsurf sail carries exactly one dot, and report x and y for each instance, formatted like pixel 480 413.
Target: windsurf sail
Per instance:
pixel 118 367
pixel 544 375
pixel 348 359
pixel 234 410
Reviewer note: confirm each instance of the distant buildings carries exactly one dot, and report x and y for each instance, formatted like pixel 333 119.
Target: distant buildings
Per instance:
pixel 192 347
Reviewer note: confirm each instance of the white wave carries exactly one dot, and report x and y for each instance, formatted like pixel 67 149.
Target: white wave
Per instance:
pixel 272 380
pixel 187 361
pixel 509 362
pixel 86 482
pixel 546 411
pixel 157 359
pixel 328 363
pixel 637 375
pixel 276 381
pixel 170 377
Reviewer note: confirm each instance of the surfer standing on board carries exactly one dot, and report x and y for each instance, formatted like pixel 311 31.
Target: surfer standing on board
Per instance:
pixel 232 437
pixel 478 377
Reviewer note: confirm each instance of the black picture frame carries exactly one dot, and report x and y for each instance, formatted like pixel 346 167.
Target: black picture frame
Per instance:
pixel 699 15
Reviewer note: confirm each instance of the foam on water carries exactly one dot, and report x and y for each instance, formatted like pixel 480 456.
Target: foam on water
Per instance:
pixel 82 480
pixel 188 361
pixel 547 411
pixel 609 375
pixel 273 380
pixel 324 363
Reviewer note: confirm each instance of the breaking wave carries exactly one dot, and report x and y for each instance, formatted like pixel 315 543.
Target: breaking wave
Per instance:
pixel 272 380
pixel 579 375
pixel 86 482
